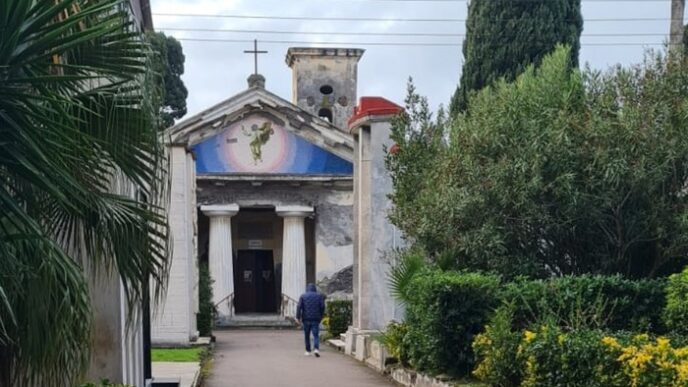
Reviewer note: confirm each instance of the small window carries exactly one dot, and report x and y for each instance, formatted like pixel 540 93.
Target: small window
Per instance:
pixel 325 114
pixel 326 89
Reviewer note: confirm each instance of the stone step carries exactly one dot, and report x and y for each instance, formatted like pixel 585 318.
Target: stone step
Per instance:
pixel 337 344
pixel 256 321
pixel 342 337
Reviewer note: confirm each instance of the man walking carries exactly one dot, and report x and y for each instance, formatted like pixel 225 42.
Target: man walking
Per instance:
pixel 310 312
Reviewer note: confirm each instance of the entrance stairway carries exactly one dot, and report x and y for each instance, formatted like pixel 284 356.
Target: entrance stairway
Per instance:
pixel 257 320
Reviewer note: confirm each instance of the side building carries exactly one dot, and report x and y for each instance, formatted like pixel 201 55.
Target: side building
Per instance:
pixel 120 352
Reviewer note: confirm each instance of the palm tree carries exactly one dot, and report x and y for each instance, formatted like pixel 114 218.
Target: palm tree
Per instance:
pixel 79 154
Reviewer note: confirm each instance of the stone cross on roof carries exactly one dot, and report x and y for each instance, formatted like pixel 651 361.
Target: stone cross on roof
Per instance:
pixel 255 53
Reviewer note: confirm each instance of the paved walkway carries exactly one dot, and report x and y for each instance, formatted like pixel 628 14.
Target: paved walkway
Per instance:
pixel 272 358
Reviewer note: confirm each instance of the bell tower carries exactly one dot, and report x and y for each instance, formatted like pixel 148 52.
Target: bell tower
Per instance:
pixel 324 81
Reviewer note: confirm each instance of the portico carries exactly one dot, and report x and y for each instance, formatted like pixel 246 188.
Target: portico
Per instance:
pixel 259 275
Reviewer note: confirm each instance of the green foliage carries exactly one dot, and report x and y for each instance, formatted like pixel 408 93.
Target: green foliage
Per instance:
pixel 82 180
pixel 549 356
pixel 560 172
pixel 496 351
pixel 676 311
pixel 503 37
pixel 446 310
pixel 588 301
pixel 409 264
pixel 339 313
pixel 394 340
pixel 552 358
pixel 169 63
pixel 206 308
pixel 419 144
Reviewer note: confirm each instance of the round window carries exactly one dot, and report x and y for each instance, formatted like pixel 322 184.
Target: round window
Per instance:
pixel 326 89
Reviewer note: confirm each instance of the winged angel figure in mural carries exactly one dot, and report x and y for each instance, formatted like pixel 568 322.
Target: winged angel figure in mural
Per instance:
pixel 259 137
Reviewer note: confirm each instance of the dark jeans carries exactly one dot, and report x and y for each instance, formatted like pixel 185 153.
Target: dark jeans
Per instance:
pixel 314 328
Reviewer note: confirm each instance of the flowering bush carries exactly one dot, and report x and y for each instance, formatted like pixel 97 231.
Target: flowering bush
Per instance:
pixel 496 351
pixel 551 357
pixel 547 357
pixel 647 362
pixel 394 338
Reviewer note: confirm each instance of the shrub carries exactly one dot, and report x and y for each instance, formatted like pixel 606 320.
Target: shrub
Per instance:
pixel 445 311
pixel 647 362
pixel 206 309
pixel 550 357
pixel 589 301
pixel 339 313
pixel 676 311
pixel 495 351
pixel 394 339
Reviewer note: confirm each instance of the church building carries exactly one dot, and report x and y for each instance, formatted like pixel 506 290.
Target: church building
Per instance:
pixel 269 193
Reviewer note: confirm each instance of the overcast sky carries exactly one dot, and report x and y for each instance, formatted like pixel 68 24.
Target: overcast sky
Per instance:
pixel 216 71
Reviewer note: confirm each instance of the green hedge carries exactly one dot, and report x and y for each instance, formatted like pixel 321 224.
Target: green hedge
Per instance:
pixel 676 311
pixel 550 356
pixel 339 313
pixel 593 301
pixel 445 311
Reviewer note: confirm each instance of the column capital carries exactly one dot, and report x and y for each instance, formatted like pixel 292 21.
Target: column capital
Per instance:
pixel 294 211
pixel 220 210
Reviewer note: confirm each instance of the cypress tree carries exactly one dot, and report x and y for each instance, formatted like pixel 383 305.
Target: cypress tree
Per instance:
pixel 503 37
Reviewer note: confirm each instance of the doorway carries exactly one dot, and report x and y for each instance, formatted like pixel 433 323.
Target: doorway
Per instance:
pixel 254 281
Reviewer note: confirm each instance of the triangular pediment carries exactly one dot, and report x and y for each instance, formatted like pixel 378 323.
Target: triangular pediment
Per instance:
pixel 257 132
pixel 245 117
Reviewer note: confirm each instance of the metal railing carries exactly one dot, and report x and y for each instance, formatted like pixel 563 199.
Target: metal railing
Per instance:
pixel 230 303
pixel 288 307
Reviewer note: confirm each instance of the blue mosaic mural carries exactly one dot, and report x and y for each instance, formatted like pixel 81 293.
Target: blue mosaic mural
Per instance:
pixel 258 146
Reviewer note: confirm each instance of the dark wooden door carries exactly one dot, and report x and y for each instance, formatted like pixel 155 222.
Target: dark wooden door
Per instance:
pixel 254 281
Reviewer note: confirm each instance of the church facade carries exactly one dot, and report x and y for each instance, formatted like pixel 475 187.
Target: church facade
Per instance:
pixel 264 191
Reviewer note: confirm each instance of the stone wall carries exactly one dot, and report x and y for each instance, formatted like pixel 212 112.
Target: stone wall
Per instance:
pixel 316 69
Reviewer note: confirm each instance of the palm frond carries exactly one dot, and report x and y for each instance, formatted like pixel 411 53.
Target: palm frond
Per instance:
pixel 79 150
pixel 402 273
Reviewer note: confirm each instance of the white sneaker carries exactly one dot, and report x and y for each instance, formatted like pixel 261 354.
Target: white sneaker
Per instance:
pixel 317 353
pixel 307 353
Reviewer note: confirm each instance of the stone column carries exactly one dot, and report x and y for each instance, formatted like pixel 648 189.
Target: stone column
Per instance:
pixel 220 257
pixel 293 256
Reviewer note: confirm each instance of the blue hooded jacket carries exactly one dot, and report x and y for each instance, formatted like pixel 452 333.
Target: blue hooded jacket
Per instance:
pixel 311 305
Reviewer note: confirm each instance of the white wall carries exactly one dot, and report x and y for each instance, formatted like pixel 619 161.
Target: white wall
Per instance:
pixel 173 320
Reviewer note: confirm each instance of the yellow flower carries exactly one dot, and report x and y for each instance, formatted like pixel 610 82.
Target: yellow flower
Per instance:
pixel 663 343
pixel 611 342
pixel 682 371
pixel 529 336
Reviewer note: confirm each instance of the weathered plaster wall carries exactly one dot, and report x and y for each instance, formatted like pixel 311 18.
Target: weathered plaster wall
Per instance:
pixel 333 214
pixel 317 67
pixel 386 237
pixel 376 236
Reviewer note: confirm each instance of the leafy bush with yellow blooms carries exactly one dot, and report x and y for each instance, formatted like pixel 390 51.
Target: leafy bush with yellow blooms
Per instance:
pixel 648 362
pixel 548 356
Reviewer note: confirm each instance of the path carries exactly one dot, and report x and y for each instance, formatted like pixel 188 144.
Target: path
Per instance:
pixel 273 358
